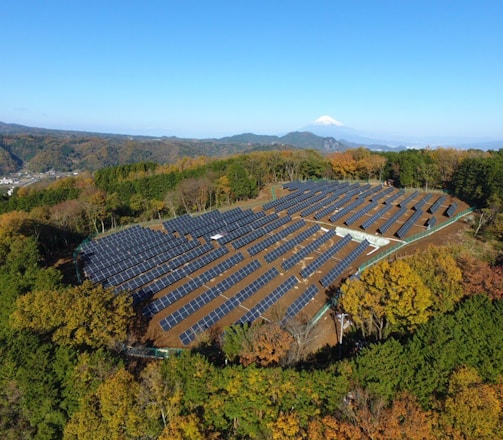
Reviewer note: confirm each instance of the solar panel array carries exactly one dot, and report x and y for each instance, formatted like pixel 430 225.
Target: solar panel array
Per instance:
pixel 301 301
pixel 290 244
pixel 432 221
pixel 395 196
pixel 339 269
pixel 324 257
pixel 268 241
pixel 422 202
pixel 218 313
pixel 185 311
pixel 144 262
pixel 268 301
pixel 304 252
pixel 161 303
pixel 135 277
pixel 382 194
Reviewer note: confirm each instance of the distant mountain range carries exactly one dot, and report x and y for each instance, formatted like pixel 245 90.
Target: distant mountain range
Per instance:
pixel 68 150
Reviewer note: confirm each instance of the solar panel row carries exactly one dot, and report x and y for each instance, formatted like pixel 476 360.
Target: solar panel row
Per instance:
pixel 301 301
pixel 324 257
pixel 290 244
pixel 339 269
pixel 451 210
pixel 422 202
pixel 370 221
pixel 257 233
pixel 305 251
pixel 178 274
pixel 392 220
pixel 402 231
pixel 437 204
pixel 382 194
pixel 108 271
pixel 341 213
pixel 395 196
pixel 357 215
pixel 255 312
pixel 268 241
pixel 408 199
pixel 140 267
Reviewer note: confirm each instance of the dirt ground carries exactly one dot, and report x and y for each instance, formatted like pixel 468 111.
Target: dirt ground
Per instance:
pixel 326 330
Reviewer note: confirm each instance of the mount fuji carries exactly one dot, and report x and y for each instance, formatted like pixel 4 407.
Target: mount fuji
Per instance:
pixel 326 126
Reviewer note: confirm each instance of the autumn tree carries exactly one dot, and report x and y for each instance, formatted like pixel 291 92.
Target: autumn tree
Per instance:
pixel 112 412
pixel 405 419
pixel 472 409
pixel 343 164
pixel 387 293
pixel 480 277
pixel 438 269
pixel 268 344
pixel 84 315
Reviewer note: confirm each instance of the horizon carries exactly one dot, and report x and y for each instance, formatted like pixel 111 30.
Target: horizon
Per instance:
pixel 213 70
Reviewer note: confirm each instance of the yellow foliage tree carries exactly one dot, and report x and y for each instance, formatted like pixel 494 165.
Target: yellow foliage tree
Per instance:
pixel 112 413
pixel 387 293
pixel 82 315
pixel 439 270
pixel 472 409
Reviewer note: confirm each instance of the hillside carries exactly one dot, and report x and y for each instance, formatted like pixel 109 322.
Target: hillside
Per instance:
pixel 40 149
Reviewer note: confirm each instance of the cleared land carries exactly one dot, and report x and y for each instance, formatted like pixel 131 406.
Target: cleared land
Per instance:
pixel 173 273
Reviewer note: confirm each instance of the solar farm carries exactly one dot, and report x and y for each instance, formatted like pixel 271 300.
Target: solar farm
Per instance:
pixel 274 262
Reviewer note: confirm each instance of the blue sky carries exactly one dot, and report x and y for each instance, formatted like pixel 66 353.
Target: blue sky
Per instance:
pixel 213 68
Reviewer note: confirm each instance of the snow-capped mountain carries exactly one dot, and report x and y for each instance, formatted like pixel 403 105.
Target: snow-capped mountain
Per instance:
pixel 327 126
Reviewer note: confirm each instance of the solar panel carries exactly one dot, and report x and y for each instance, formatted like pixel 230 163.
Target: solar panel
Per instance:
pixel 324 257
pixel 290 244
pixel 433 208
pixel 408 199
pixel 183 312
pixel 338 215
pixel 392 220
pixel 304 252
pixel 217 314
pixel 391 199
pixel 451 210
pixel 255 312
pixel 360 213
pixel 402 231
pixel 338 270
pixel 301 301
pixel 370 221
pixel 268 241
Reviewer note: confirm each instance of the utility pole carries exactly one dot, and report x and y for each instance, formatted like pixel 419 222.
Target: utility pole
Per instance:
pixel 341 317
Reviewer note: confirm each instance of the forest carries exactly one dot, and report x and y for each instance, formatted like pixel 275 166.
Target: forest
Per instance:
pixel 424 358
